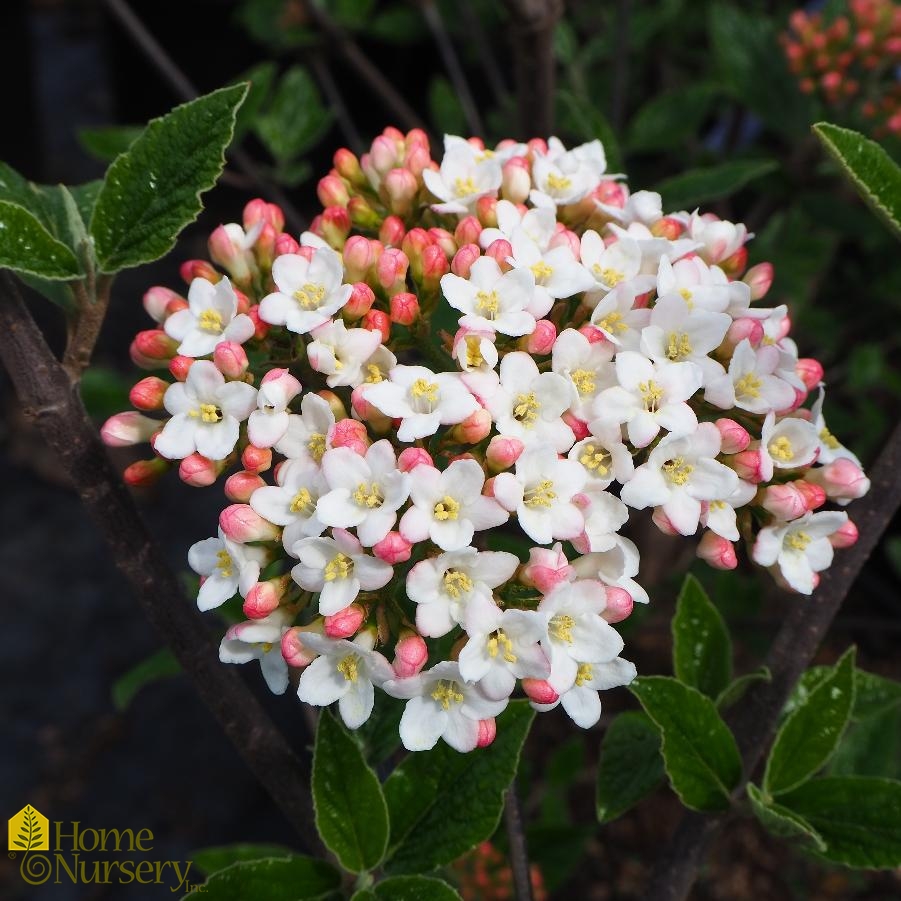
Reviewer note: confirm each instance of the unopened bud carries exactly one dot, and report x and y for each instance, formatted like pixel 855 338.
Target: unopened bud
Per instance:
pixel 810 372
pixel 486 210
pixel 126 429
pixel 199 472
pixel 152 349
pixel 717 551
pixel 503 452
pixel 264 597
pixel 260 328
pixel 392 231
pixel 400 187
pixel 735 264
pixel 747 464
pixel 667 227
pixel 742 328
pixel 785 502
pixel 619 604
pixel 579 426
pixel 348 166
pixel 467 231
pixel 179 366
pixel 362 215
pixel 391 270
pixel 144 472
pixel 378 321
pixel 156 301
pixel 842 479
pixel 663 522
pixel 332 191
pixel 410 655
pixel 359 256
pixel 230 359
pixel 336 405
pixel 241 485
pixel 191 269
pixel 546 568
pixel 541 339
pixel 501 251
pixel 293 649
pixel 404 308
pixel 334 226
pixel 258 210
pixel 242 523
pixel 346 622
pixel 148 393
pixel 540 691
pixel 285 243
pixel 350 433
pixel 759 278
pixel 736 438
pixel 516 181
pixel 411 457
pixel 435 265
pixel 487 733
pixel 360 303
pixel 464 258
pixel 846 536
pixel 256 459
pixel 475 428
pixel 814 495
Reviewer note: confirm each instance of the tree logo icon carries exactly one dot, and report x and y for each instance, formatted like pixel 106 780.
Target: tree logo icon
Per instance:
pixel 29 831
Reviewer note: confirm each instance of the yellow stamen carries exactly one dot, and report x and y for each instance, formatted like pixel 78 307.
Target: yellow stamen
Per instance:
pixel 607 275
pixel 316 445
pixel 541 270
pixel 584 381
pixel 206 413
pixel 373 374
pixel 474 351
pixel 613 323
pixel 499 643
pixel 463 187
pixel 488 303
pixel 446 508
pixel 426 389
pixel 540 495
pixel 798 541
pixel 678 347
pixel 781 449
pixel 748 386
pixel 687 297
pixel 829 439
pixel 224 564
pixel 526 409
pixel 369 495
pixel 210 320
pixel 339 567
pixel 302 502
pixel 561 627
pixel 310 296
pixel 349 667
pixel 584 674
pixel 558 182
pixel 651 395
pixel 447 692
pixel 678 471
pixel 595 459
pixel 457 583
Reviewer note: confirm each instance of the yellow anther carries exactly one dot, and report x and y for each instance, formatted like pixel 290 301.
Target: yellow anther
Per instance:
pixel 500 644
pixel 488 303
pixel 798 541
pixel 678 346
pixel 717 505
pixel 474 351
pixel 349 667
pixel 541 270
pixel 584 381
pixel 613 323
pixel 561 627
pixel 781 449
pixel 595 459
pixel 687 297
pixel 207 413
pixel 829 439
pixel 369 495
pixel 316 445
pixel 526 409
pixel 447 692
pixel 540 495
pixel 224 564
pixel 607 275
pixel 426 389
pixel 463 187
pixel 678 471
pixel 210 320
pixel 339 567
pixel 447 508
pixel 651 395
pixel 584 674
pixel 302 502
pixel 558 182
pixel 373 374
pixel 310 296
pixel 266 646
pixel 748 386
pixel 457 583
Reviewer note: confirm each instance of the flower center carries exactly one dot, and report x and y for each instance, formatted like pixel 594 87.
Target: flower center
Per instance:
pixel 651 395
pixel 541 270
pixel 488 303
pixel 210 320
pixel 310 296
pixel 446 508
pixel 540 495
pixel 424 394
pixel 499 643
pixel 302 502
pixel 584 381
pixel 798 541
pixel 781 449
pixel 349 667
pixel 748 385
pixel 447 692
pixel 595 459
pixel 678 471
pixel 608 276
pixel 457 583
pixel 207 413
pixel 373 374
pixel 561 627
pixel 463 187
pixel 526 410
pixel 369 495
pixel 678 347
pixel 558 182
pixel 339 567
pixel 224 564
pixel 584 674
pixel 613 323
pixel 687 297
pixel 474 352
pixel 316 445
pixel 829 439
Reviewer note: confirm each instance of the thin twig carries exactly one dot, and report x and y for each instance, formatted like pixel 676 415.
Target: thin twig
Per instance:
pixel 532 24
pixel 516 838
pixel 85 326
pixel 186 91
pixel 474 29
pixel 435 22
pixel 330 88
pixel 54 405
pixel 755 719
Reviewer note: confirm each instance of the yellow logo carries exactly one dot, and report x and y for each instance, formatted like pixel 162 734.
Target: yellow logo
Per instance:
pixel 29 830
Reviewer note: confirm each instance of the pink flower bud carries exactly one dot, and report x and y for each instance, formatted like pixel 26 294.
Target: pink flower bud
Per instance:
pixel 434 266
pixel 467 231
pixel 567 238
pixel 264 248
pixel 144 472
pixel 486 210
pixel 383 154
pixel 842 480
pixel 735 437
pixel 464 258
pixel 230 359
pixel 241 485
pixel 810 372
pixel 391 269
pixel 516 182
pixel 668 228
pixel 152 349
pixel 417 159
pixel 404 308
pixel 410 655
pixel 400 187
pixel 814 495
pixel 378 321
pixel 199 472
pixel 264 597
pixel 444 240
pixel 540 691
pixel 257 210
pixel 191 269
pixel 742 328
pixel 334 226
pixel 285 243
pixel 332 191
pixel 359 256
pixel 663 522
pixel 393 548
pixel 260 328
pixel 256 459
pixel 502 452
pixel 785 502
pixel 541 339
pixel 360 303
pixel 747 464
pixel 348 166
pixel 619 604
pixel 487 733
pixel 411 457
pixel 346 622
pixel 759 278
pixel 717 551
pixel 336 405
pixel 475 428
pixel 179 367
pixel 226 250
pixel 611 193
pixel 593 334
pixel 846 536
pixel 242 523
pixel 735 264
pixel 148 393
pixel 126 429
pixel 350 433
pixel 500 250
pixel 546 568
pixel 293 649
pixel 537 146
pixel 392 231
pixel 579 426
pixel 156 301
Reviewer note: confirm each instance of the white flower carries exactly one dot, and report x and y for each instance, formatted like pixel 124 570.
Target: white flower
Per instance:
pixel 365 492
pixel 699 285
pixel 338 569
pixel 614 567
pixel 566 176
pixel 582 702
pixel 603 455
pixel 308 434
pixel 575 632
pixel 378 365
pixel 750 383
pixel 719 239
pixel 309 293
pixel 588 366
pixel 449 506
pixel 611 265
pixel 800 548
pixel 206 414
pixel 291 503
pixel 492 299
pixel 344 672
pixel 786 444
pixel 475 351
pixel 422 400
pixel 650 397
pixel 831 449
pixel 679 474
pixel 541 493
pixel 618 318
pixel 340 352
pixel 718 515
pixel 465 175
pixel 642 206
pixel 526 404
pixel 653 249
pixel 226 566
pixel 268 424
pixel 503 646
pixel 210 318
pixel 605 514
pixel 260 639
pixel 445 587
pixel 441 705
pixel 538 223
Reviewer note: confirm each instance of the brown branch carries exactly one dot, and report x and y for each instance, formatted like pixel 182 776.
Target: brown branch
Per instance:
pixel 85 325
pixel 55 407
pixel 532 24
pixel 472 24
pixel 516 838
pixel 332 93
pixel 755 720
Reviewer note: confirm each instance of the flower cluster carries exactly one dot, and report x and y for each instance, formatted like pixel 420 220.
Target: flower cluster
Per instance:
pixel 850 61
pixel 439 407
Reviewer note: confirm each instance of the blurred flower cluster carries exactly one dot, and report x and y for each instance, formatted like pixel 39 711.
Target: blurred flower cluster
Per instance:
pixel 485 875
pixel 437 409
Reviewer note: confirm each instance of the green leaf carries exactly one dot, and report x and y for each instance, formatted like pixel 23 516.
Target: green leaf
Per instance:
pixel 696 186
pixel 157 666
pixel 871 747
pixel 351 814
pixel 378 736
pixel 781 821
pixel 444 107
pixel 414 888
pixel 807 739
pixel 671 118
pixel 859 818
pixel 874 695
pixel 107 143
pixel 364 894
pixel 631 765
pixel 429 784
pixel 212 860
pixel 702 649
pixel 699 751
pixel 152 191
pixel 26 246
pixel 272 879
pixel 874 174
pixel 296 117
pixel 260 79
pixel 736 689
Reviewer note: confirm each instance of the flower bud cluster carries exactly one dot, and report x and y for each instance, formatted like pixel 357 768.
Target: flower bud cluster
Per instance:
pixel 435 411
